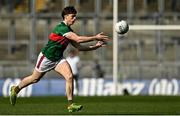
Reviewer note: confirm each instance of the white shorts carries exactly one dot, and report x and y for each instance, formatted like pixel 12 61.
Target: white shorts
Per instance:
pixel 44 64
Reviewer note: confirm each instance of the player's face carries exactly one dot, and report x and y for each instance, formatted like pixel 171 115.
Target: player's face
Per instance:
pixel 70 19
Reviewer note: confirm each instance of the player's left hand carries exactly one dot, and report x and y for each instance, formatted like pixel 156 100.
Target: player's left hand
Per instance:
pixel 102 37
pixel 101 43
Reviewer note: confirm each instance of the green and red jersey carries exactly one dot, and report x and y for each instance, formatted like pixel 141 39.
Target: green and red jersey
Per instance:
pixel 57 42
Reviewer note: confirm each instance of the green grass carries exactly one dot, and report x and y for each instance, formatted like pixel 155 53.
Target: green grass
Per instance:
pixel 94 105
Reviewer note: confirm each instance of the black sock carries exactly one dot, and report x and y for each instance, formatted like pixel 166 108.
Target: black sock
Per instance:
pixel 70 102
pixel 17 89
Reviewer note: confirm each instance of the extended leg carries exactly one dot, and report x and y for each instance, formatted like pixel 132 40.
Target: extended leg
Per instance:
pixel 34 78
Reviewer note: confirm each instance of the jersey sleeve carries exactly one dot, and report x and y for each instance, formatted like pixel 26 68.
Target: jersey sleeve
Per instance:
pixel 62 30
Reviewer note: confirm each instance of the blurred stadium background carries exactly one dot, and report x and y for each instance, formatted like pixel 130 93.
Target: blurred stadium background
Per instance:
pixel 148 60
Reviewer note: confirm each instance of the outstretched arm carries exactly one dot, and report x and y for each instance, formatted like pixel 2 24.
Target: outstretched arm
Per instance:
pixel 80 39
pixel 88 48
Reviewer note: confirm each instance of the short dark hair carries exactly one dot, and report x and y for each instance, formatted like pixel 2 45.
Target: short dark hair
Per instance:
pixel 68 10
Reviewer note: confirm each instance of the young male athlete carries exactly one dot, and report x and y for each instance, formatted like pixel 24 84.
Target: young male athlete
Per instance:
pixel 51 56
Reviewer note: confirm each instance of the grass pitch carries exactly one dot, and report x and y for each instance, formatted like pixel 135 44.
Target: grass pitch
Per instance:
pixel 149 105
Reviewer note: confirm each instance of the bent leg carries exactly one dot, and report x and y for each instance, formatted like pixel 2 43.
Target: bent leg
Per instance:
pixel 65 70
pixel 33 78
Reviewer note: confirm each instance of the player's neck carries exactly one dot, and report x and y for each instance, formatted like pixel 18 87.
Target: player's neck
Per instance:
pixel 66 23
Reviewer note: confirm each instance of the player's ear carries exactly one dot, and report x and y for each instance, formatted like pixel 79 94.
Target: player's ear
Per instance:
pixel 65 16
